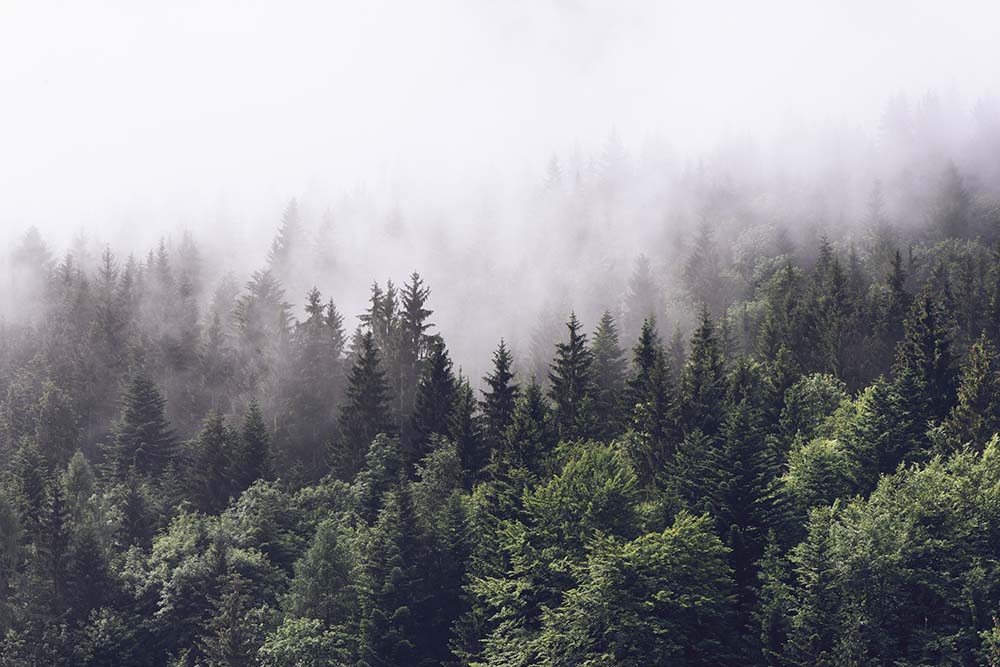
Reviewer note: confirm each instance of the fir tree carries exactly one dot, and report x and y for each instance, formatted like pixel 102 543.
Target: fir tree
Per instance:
pixel 365 413
pixel 499 397
pixel 571 376
pixel 209 467
pixel 922 390
pixel 414 344
pixel 466 430
pixel 141 437
pixel 702 386
pixel 435 403
pixel 252 459
pixel 976 415
pixel 608 377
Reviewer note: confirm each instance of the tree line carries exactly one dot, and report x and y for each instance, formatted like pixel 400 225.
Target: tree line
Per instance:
pixel 808 475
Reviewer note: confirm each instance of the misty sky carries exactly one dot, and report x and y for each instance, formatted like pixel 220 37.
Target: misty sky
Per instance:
pixel 113 110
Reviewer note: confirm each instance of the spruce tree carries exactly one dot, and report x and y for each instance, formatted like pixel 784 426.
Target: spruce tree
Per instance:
pixel 608 377
pixel 467 432
pixel 230 640
pixel 976 415
pixel 435 402
pixel 209 466
pixel 922 390
pixel 141 438
pixel 365 413
pixel 531 436
pixel 414 343
pixel 391 586
pixel 252 458
pixel 499 397
pixel 571 379
pixel 703 383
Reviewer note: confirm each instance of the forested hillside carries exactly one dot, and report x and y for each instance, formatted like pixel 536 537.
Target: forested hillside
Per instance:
pixel 777 453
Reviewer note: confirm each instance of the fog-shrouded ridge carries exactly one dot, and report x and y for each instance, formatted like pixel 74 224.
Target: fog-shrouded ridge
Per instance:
pixel 482 334
pixel 522 149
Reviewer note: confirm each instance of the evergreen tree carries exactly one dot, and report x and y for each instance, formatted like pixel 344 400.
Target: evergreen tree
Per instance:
pixel 414 344
pixel 976 415
pixel 324 586
pixel 608 377
pixel 703 384
pixel 435 403
pixel 500 396
pixel 922 390
pixel 141 437
pixel 283 248
pixel 57 431
pixel 466 430
pixel 642 300
pixel 530 437
pixel 365 413
pixel 389 629
pixel 571 377
pixel 650 398
pixel 252 458
pixel 230 642
pixel 209 468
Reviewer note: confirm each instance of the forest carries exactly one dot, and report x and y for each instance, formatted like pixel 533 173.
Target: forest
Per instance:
pixel 781 456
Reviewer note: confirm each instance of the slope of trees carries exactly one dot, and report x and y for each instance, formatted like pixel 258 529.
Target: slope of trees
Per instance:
pixel 809 474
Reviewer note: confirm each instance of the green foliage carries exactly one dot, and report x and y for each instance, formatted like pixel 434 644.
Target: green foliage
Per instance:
pixel 141 438
pixel 571 377
pixel 365 413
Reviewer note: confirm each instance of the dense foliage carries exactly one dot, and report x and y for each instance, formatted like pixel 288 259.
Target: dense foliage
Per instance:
pixel 809 476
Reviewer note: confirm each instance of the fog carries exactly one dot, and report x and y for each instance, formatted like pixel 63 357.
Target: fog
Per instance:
pixel 420 135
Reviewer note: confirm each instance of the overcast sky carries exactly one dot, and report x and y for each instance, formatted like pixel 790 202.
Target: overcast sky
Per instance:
pixel 156 106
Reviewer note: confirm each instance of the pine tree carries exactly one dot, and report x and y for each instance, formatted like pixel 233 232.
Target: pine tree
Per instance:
pixel 31 482
pixel 316 381
pixel 922 390
pixel 252 458
pixel 976 415
pixel 499 398
pixel 641 301
pixel 12 552
pixel 324 586
pixel 79 484
pixel 230 642
pixel 570 375
pixel 531 436
pixel 651 404
pixel 365 413
pixel 703 386
pixel 209 466
pixel 141 437
pixel 466 430
pixel 53 545
pixel 414 345
pixel 608 377
pixel 389 628
pixel 435 402
pixel 57 430
pixel 284 246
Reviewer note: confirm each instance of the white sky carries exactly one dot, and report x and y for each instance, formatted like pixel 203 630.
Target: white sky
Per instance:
pixel 135 105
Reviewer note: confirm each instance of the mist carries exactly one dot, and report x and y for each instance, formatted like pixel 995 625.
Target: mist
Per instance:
pixel 425 136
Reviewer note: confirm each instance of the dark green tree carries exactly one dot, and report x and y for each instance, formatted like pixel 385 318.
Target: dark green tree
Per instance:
pixel 703 383
pixel 608 378
pixel 435 403
pixel 366 412
pixel 571 378
pixel 499 397
pixel 141 437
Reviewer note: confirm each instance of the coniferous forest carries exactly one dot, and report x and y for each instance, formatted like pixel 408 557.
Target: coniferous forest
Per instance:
pixel 807 472
pixel 464 333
